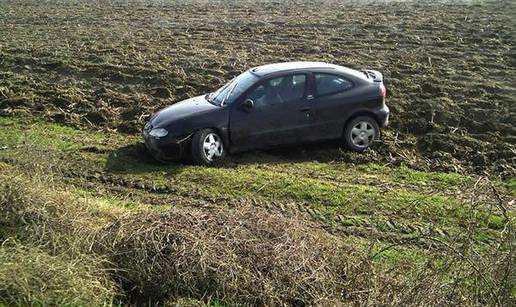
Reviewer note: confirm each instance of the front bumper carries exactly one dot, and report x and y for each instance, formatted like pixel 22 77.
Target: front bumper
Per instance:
pixel 167 148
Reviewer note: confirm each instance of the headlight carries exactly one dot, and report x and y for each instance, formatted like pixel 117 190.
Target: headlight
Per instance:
pixel 158 133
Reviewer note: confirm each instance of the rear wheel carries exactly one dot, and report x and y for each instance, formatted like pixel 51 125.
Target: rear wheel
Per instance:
pixel 207 147
pixel 361 132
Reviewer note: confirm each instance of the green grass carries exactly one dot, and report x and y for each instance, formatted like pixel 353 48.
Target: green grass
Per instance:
pixel 31 276
pixel 392 257
pixel 362 195
pixel 511 185
pixel 57 137
pixel 434 179
pixel 370 205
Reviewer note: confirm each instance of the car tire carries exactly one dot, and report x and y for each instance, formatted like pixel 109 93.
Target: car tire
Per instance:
pixel 361 133
pixel 207 147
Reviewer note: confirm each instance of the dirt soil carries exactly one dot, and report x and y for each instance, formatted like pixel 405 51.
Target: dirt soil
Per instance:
pixel 450 67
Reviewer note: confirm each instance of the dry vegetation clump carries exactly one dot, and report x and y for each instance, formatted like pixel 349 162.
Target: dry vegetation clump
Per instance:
pixel 241 255
pixel 461 270
pixel 40 216
pixel 32 276
pixel 40 259
pixel 14 208
pixel 237 255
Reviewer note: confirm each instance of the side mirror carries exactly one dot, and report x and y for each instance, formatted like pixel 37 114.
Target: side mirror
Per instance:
pixel 248 105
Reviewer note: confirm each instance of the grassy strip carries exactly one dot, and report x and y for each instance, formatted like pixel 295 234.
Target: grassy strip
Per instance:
pixel 365 194
pixel 70 221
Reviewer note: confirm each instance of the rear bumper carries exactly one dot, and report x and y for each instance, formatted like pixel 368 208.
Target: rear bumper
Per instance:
pixel 383 116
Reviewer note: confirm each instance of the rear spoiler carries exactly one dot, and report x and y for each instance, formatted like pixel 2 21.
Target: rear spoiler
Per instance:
pixel 374 74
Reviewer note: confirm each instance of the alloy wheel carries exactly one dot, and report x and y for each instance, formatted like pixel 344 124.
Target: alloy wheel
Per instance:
pixel 212 147
pixel 363 134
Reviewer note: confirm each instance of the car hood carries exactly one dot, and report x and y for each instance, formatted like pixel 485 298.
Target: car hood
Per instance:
pixel 182 109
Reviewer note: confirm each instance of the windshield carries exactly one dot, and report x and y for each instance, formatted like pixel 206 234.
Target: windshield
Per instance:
pixel 228 93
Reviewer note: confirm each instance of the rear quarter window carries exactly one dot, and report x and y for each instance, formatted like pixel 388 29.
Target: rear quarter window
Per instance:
pixel 327 84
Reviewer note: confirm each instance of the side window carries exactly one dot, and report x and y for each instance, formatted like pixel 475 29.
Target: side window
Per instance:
pixel 279 90
pixel 330 84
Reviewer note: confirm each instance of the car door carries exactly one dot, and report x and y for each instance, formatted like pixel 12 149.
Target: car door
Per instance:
pixel 280 113
pixel 334 99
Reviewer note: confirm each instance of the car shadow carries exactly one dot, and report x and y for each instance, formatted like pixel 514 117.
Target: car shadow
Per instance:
pixel 324 152
pixel 135 159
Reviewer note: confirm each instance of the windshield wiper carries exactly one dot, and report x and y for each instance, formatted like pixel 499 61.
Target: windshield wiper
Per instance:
pixel 209 99
pixel 229 93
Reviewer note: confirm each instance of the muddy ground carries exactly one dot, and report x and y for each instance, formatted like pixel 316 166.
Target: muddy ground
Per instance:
pixel 449 66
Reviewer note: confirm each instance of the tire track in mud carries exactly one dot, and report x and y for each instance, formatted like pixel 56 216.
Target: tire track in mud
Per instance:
pixel 388 230
pixel 102 184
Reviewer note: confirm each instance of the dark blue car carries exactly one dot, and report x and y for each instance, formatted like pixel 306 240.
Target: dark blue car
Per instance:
pixel 272 105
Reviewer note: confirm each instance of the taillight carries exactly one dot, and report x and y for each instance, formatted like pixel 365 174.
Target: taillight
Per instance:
pixel 383 91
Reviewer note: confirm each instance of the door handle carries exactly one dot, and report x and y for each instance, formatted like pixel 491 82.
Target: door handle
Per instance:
pixel 310 97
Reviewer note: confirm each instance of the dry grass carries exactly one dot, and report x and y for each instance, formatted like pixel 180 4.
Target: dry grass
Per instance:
pixel 36 213
pixel 40 259
pixel 239 255
pixel 461 271
pixel 31 276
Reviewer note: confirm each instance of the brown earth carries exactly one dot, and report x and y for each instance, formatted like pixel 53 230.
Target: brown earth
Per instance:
pixel 449 66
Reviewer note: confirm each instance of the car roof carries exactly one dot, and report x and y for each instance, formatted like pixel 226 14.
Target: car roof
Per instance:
pixel 265 70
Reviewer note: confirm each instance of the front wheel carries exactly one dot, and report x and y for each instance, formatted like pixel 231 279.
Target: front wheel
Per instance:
pixel 207 147
pixel 361 133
